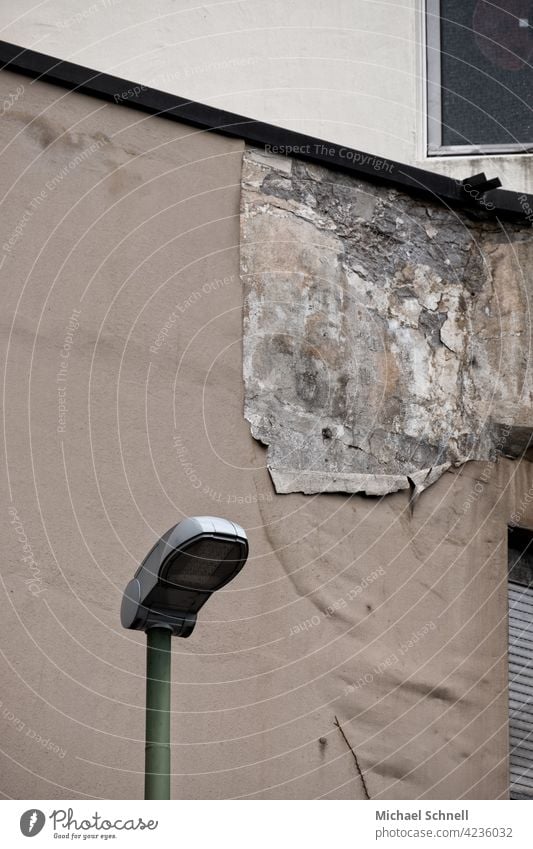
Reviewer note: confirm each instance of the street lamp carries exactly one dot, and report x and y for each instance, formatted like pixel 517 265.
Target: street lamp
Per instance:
pixel 186 565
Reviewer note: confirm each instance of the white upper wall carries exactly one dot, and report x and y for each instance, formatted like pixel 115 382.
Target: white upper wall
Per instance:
pixel 349 71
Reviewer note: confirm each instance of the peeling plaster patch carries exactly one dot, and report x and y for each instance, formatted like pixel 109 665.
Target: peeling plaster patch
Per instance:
pixel 379 349
pixel 293 480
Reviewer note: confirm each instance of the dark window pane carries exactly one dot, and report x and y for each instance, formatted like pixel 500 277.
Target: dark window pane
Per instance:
pixel 487 77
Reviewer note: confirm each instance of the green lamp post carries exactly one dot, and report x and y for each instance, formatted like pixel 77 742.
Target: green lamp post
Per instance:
pixel 186 565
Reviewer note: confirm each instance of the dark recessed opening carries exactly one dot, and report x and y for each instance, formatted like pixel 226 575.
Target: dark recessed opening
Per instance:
pixel 520 546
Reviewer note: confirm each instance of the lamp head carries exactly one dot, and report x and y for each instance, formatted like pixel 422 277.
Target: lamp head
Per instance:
pixel 186 565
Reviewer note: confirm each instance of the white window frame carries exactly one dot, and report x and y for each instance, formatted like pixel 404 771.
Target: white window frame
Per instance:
pixel 434 100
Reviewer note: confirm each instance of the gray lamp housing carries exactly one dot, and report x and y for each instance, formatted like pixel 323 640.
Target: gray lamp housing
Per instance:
pixel 186 565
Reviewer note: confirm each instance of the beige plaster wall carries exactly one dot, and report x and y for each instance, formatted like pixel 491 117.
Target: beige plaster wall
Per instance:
pixel 143 227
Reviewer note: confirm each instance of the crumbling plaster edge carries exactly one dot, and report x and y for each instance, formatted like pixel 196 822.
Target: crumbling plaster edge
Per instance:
pixel 313 483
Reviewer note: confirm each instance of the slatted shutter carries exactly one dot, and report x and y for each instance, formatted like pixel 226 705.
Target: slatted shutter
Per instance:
pixel 521 690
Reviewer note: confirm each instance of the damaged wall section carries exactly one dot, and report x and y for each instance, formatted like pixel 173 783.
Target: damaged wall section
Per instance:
pixel 385 339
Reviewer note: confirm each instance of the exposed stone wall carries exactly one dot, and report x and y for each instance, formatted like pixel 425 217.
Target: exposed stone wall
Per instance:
pixel 385 338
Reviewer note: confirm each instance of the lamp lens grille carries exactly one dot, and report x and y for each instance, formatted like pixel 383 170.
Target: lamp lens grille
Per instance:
pixel 199 566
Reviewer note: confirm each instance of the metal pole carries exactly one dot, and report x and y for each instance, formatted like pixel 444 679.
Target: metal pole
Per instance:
pixel 157 752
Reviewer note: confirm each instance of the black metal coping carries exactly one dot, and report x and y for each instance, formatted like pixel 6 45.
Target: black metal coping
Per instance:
pixel 475 193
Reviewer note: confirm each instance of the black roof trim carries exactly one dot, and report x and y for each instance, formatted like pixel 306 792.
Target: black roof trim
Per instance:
pixel 475 193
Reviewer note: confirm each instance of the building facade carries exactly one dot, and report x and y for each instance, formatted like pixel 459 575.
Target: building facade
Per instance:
pixel 335 355
pixel 362 74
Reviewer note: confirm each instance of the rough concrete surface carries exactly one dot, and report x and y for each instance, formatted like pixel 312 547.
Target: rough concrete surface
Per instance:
pixel 385 339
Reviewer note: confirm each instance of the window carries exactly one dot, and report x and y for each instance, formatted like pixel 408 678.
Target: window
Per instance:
pixel 521 663
pixel 480 76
